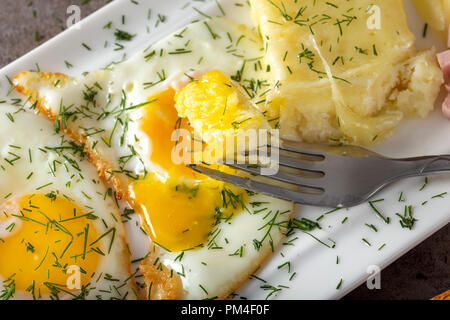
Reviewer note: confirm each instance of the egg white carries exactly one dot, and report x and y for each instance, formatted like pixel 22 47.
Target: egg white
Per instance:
pixel 70 176
pixel 234 252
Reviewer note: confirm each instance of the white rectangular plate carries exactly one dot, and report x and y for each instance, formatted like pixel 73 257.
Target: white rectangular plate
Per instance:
pixel 316 272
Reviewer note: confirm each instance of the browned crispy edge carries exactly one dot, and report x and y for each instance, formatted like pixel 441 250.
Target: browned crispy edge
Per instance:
pixel 176 291
pixel 161 283
pixel 443 296
pixel 100 164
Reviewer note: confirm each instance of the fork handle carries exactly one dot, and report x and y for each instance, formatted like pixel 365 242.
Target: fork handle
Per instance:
pixel 424 165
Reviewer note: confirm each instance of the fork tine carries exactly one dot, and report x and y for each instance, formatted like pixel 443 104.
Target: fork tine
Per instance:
pixel 306 165
pixel 306 149
pixel 307 182
pixel 271 190
pixel 322 150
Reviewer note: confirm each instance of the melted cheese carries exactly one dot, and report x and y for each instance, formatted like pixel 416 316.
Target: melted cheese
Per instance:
pixel 361 49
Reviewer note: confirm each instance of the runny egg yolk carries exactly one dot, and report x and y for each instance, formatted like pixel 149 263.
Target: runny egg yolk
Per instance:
pixel 48 242
pixel 178 206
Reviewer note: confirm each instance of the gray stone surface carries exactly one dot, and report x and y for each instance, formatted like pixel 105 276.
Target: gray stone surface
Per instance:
pixel 420 274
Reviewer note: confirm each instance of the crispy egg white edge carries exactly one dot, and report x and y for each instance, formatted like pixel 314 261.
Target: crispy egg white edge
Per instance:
pixel 32 132
pixel 224 272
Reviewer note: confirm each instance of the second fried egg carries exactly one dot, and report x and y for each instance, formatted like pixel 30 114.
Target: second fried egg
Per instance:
pixel 61 235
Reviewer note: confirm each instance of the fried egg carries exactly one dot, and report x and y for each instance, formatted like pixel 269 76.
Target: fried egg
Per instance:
pixel 61 235
pixel 208 237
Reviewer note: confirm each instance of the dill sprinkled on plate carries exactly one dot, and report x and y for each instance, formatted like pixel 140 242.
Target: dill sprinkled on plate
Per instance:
pixel 286 264
pixel 378 213
pixel 424 184
pixel 121 35
pixel 86 46
pixel 272 289
pixel 304 224
pixel 407 220
pixel 332 211
pixel 371 226
pixel 441 195
pixel 320 241
pixel 339 284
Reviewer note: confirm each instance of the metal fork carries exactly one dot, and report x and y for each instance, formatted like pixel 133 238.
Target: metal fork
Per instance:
pixel 328 176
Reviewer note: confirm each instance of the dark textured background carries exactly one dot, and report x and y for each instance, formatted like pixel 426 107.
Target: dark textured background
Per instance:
pixel 420 274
